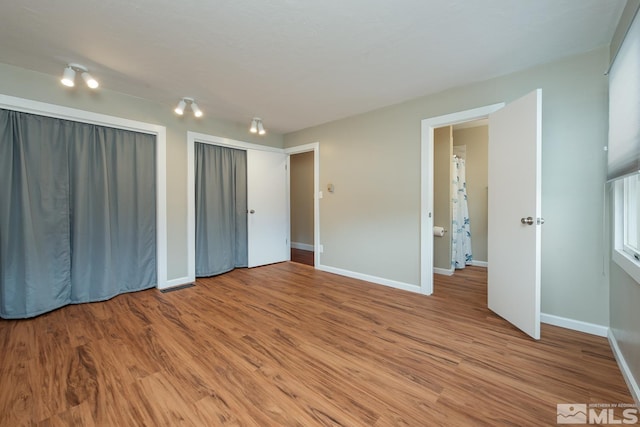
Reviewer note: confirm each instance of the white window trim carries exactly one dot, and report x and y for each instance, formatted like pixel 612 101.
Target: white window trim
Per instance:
pixel 625 260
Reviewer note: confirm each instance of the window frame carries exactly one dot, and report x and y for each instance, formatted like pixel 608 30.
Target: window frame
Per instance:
pixel 627 257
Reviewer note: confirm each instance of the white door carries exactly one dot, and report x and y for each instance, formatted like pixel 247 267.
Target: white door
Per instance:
pixel 515 212
pixel 267 204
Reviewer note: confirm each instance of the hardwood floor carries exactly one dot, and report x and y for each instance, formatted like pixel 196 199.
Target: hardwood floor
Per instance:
pixel 301 256
pixel 286 345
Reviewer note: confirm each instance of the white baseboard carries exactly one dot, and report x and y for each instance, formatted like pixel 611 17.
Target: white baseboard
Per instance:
pixel 302 246
pixel 479 263
pixel 178 282
pixel 632 383
pixel 576 325
pixel 443 271
pixel 372 279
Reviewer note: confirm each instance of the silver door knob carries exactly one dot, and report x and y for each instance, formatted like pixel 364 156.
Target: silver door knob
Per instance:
pixel 252 211
pixel 540 221
pixel 528 220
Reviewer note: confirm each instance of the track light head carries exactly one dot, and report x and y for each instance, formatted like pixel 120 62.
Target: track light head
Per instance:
pixel 68 77
pixel 261 130
pixel 179 110
pixel 196 110
pixel 254 125
pixel 90 81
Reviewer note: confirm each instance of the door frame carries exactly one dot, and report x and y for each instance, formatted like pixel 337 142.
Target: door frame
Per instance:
pixel 192 138
pixel 82 116
pixel 317 195
pixel 427 182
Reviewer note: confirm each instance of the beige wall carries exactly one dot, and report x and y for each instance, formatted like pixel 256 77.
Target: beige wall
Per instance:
pixel 371 225
pixel 301 196
pixel 476 139
pixel 46 88
pixel 442 154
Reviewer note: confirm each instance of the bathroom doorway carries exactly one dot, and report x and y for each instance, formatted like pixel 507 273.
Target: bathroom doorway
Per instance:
pixel 460 196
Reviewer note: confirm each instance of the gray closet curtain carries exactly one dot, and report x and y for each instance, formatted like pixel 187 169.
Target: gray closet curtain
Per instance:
pixel 77 213
pixel 221 209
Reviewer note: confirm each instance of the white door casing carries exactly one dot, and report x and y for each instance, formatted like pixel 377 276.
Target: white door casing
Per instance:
pixel 267 220
pixel 426 184
pixel 261 189
pixel 514 247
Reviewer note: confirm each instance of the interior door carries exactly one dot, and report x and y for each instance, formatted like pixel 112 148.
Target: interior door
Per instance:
pixel 267 222
pixel 515 212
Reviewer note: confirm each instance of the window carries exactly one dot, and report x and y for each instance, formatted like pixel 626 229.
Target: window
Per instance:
pixel 626 251
pixel 631 207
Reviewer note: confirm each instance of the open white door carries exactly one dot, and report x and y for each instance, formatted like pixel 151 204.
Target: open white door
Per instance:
pixel 515 213
pixel 267 203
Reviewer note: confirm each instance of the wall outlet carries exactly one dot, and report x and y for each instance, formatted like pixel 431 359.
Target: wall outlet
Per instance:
pixel 319 194
pixel 321 248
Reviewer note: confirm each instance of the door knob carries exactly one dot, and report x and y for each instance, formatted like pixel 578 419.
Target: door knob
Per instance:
pixel 528 220
pixel 252 211
pixel 540 221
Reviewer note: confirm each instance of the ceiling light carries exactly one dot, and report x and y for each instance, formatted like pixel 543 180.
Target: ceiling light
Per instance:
pixel 196 110
pixel 180 108
pixel 183 104
pixel 69 76
pixel 90 81
pixel 256 126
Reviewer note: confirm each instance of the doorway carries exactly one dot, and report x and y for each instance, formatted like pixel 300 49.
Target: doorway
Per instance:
pixel 301 207
pixel 514 207
pixel 427 180
pixel 460 197
pixel 303 164
pixel 267 201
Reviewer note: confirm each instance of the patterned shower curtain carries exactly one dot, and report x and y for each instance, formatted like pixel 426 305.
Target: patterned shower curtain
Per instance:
pixel 460 227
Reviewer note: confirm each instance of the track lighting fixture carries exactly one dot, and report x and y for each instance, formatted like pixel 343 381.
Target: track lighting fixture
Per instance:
pixel 179 110
pixel 256 126
pixel 69 76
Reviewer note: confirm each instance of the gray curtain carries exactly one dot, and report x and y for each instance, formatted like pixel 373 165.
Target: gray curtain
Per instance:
pixel 77 213
pixel 221 209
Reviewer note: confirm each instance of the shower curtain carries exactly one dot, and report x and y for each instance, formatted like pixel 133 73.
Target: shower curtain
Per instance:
pixel 460 226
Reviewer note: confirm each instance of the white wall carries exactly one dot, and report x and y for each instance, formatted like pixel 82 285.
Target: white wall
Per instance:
pixel 370 225
pixel 45 88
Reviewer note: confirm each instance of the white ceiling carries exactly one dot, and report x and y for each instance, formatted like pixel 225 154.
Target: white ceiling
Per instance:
pixel 297 63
